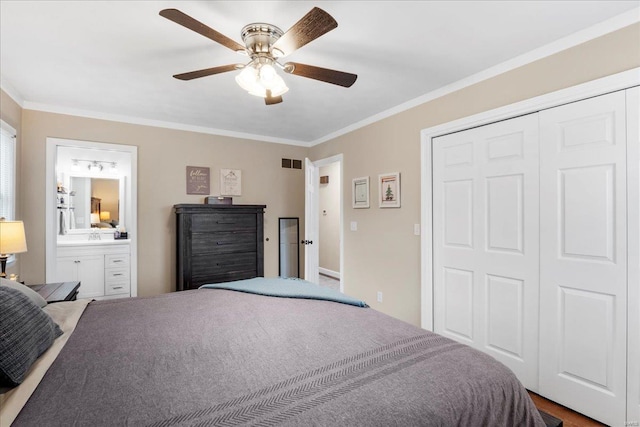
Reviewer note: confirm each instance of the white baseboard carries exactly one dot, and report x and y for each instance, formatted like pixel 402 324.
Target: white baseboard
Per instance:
pixel 330 273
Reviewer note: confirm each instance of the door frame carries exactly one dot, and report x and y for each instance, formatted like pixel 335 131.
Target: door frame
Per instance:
pixel 314 197
pixel 620 81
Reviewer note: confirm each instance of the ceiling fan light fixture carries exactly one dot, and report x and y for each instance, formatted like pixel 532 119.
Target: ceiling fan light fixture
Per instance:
pixel 257 79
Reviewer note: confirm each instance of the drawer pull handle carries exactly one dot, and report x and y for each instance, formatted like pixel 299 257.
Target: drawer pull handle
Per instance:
pixel 117 260
pixel 117 274
pixel 223 222
pixel 223 243
pixel 118 287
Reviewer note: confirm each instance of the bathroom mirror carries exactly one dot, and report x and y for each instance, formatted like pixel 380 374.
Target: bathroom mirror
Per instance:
pixel 97 196
pixel 91 190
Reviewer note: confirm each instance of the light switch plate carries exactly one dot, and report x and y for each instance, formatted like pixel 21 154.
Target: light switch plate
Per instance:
pixel 354 226
pixel 416 229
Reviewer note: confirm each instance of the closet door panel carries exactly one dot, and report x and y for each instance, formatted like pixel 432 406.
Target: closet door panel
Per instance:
pixel 583 256
pixel 485 189
pixel 633 231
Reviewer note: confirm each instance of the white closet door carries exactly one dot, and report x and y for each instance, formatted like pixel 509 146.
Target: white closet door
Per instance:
pixel 633 198
pixel 583 271
pixel 485 234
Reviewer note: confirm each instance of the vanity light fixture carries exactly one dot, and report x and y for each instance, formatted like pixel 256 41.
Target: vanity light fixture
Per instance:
pixel 95 165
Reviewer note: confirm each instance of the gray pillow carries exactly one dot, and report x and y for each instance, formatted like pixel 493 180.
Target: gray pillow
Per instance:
pixel 26 332
pixel 35 297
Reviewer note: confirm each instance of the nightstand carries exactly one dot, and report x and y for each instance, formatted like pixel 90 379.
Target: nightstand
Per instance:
pixel 56 292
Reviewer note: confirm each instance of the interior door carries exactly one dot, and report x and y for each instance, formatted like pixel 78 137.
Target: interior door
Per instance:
pixel 633 191
pixel 485 238
pixel 311 223
pixel 583 258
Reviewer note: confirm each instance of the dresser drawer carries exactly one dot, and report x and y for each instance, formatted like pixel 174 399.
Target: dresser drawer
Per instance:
pixel 116 260
pixel 116 288
pixel 223 222
pixel 220 243
pixel 222 265
pixel 113 275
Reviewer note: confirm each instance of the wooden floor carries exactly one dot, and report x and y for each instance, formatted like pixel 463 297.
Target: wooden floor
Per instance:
pixel 569 418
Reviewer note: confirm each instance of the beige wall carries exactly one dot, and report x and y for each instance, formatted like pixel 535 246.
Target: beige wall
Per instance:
pixel 329 218
pixel 384 254
pixel 11 113
pixel 163 155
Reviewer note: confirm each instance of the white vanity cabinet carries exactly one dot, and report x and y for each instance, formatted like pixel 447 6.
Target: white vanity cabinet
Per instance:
pixel 103 268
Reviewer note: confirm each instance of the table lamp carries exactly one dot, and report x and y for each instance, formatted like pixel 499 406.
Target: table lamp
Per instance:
pixel 105 216
pixel 12 241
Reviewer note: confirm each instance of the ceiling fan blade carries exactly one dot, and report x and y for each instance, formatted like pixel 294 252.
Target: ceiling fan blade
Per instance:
pixel 339 78
pixel 270 100
pixel 207 72
pixel 186 21
pixel 311 26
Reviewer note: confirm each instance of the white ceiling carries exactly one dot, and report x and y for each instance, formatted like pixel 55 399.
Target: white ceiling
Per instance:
pixel 115 59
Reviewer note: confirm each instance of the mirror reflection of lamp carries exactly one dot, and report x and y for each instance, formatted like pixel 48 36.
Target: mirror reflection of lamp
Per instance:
pixel 12 241
pixel 95 218
pixel 105 216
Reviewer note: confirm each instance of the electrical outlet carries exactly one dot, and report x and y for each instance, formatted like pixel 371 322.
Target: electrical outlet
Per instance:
pixel 379 296
pixel 416 229
pixel 354 226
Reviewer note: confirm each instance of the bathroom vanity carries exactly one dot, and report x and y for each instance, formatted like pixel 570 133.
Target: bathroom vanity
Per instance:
pixel 102 266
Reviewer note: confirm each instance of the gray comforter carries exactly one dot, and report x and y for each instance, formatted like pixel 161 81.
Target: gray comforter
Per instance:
pixel 221 357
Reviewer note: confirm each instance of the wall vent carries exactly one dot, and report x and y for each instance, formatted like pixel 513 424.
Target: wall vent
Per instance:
pixel 292 164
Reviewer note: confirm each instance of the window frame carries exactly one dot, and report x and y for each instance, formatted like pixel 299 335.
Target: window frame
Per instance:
pixel 7 131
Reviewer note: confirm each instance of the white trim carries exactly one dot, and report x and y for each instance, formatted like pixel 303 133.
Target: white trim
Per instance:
pixel 325 162
pixel 50 202
pixel 28 105
pixel 11 133
pixel 617 22
pixel 601 86
pixel 330 273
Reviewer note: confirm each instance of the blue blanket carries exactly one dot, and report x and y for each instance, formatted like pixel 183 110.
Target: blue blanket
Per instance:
pixel 286 288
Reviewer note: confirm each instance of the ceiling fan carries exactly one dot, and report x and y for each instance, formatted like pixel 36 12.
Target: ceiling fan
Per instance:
pixel 265 44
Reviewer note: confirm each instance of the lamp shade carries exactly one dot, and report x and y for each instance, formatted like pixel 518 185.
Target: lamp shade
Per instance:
pixel 105 216
pixel 95 218
pixel 12 238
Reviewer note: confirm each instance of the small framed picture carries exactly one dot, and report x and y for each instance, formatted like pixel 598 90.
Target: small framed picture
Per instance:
pixel 360 188
pixel 198 180
pixel 389 190
pixel 230 182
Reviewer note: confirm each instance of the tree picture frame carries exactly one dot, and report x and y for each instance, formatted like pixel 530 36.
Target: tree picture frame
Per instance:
pixel 389 190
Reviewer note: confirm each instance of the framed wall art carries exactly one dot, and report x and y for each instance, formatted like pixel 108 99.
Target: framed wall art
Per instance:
pixel 360 189
pixel 230 182
pixel 389 190
pixel 198 180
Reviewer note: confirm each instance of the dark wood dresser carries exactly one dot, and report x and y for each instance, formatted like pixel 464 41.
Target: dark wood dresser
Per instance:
pixel 218 243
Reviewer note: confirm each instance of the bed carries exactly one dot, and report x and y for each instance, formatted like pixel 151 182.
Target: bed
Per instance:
pixel 229 357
